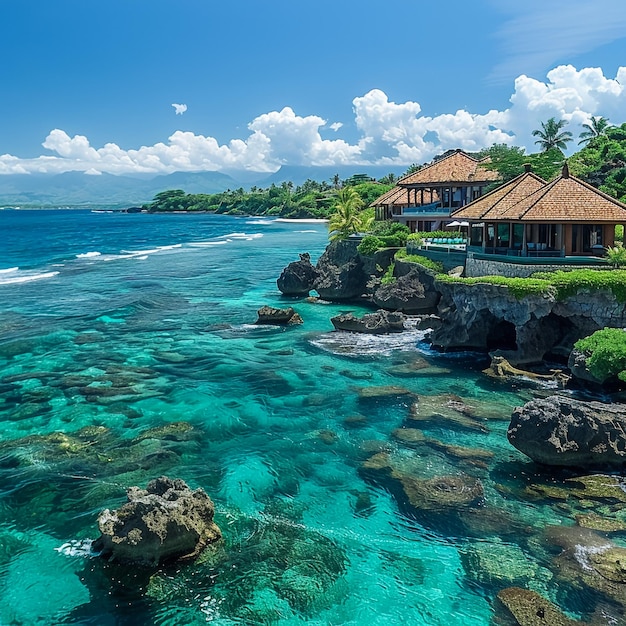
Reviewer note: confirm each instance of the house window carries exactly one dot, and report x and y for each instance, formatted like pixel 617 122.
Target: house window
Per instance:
pixel 503 236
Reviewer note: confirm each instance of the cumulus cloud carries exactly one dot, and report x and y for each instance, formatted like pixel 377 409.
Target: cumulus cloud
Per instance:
pixel 179 108
pixel 390 133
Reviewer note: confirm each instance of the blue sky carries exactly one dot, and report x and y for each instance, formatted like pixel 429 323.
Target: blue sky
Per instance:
pixel 89 85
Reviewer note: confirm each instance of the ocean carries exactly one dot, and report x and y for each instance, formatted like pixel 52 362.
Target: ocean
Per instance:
pixel 356 479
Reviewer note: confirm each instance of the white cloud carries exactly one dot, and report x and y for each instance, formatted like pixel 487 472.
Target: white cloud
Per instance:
pixel 335 126
pixel 390 133
pixel 180 108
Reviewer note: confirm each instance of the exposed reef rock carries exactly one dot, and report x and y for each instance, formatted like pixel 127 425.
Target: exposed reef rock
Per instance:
pixel 379 323
pixel 280 317
pixel 566 432
pixel 166 521
pixel 341 275
pixel 297 278
pixel 577 364
pixel 413 291
pixel 489 317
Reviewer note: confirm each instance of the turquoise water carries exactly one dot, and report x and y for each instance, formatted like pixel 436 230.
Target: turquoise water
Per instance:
pixel 128 351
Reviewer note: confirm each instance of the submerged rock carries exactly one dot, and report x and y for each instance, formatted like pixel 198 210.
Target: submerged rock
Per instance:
pixel 166 521
pixel 271 315
pixel 529 608
pixel 378 323
pixel 566 432
pixel 298 278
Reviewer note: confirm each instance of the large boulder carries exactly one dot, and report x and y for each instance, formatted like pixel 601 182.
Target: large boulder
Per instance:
pixel 340 272
pixel 298 277
pixel 167 521
pixel 566 432
pixel 278 317
pixel 413 291
pixel 407 293
pixel 378 323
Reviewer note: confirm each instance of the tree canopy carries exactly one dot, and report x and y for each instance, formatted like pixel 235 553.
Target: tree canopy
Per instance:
pixel 551 135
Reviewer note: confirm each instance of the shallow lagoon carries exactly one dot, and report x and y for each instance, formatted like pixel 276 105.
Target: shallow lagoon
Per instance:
pixel 357 480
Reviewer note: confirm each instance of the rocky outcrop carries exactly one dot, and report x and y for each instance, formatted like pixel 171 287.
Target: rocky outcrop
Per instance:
pixel 340 272
pixel 298 278
pixel 279 317
pixel 166 521
pixel 489 317
pixel 413 290
pixel 577 363
pixel 378 323
pixel 563 431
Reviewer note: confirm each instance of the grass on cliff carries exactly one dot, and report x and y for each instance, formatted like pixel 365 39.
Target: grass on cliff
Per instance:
pixel 560 284
pixel 422 260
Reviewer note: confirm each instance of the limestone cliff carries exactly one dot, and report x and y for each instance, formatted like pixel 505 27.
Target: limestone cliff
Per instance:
pixel 488 317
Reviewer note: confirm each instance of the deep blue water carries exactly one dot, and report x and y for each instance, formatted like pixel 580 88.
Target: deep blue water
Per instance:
pixel 128 351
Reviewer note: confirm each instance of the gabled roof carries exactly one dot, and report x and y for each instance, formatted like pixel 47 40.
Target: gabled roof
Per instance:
pixel 398 196
pixel 565 199
pixel 457 167
pixel 391 197
pixel 497 203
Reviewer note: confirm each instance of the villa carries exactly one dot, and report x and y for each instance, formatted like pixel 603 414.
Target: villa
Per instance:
pixel 528 217
pixel 425 199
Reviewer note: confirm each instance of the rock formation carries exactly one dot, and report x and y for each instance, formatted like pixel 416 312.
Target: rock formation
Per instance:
pixel 489 317
pixel 297 278
pixel 566 432
pixel 166 521
pixel 379 323
pixel 280 317
pixel 340 272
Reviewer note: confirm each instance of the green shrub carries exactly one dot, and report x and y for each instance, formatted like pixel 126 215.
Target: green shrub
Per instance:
pixel 616 255
pixel 435 266
pixel 393 233
pixel 569 283
pixel 388 277
pixel 369 245
pixel 605 353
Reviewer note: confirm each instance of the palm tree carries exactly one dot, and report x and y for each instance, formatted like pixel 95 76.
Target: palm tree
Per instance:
pixel 347 218
pixel 551 135
pixel 596 128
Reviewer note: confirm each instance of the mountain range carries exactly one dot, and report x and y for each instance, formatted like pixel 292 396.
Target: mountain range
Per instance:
pixel 79 189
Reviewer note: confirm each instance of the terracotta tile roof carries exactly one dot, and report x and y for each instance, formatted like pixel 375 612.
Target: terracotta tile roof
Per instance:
pixel 497 203
pixel 569 199
pixel 398 196
pixel 458 167
pixel 565 199
pixel 391 197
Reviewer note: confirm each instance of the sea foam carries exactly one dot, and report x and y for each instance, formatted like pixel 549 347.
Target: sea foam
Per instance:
pixel 26 277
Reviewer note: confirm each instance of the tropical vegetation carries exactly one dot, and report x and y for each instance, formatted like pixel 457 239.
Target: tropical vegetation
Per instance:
pixel 605 353
pixel 551 135
pixel 309 200
pixel 560 284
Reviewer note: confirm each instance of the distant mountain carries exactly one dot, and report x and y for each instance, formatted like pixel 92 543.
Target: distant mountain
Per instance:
pixel 77 188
